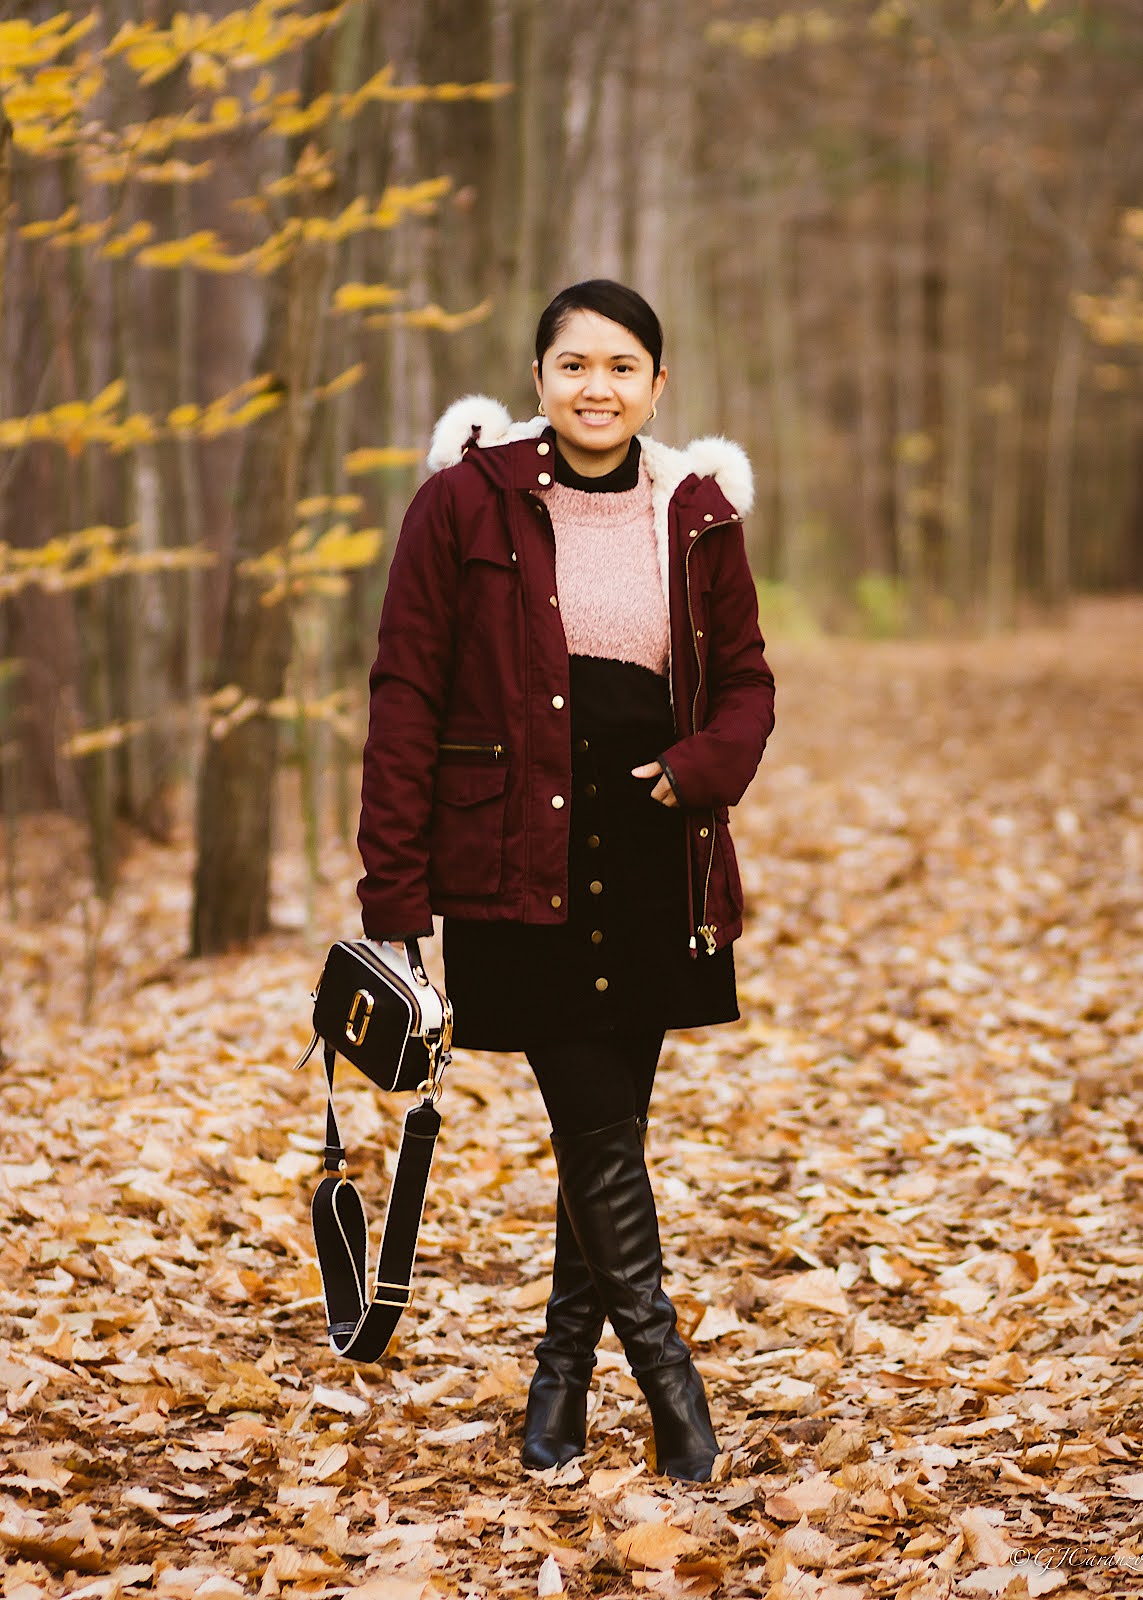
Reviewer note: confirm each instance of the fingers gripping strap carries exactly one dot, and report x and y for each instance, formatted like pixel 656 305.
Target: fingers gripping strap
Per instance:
pixel 360 1326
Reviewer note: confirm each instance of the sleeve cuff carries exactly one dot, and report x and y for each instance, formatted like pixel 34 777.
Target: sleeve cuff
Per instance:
pixel 670 777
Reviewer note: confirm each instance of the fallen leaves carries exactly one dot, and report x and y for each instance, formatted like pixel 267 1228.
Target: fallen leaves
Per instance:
pixel 899 1205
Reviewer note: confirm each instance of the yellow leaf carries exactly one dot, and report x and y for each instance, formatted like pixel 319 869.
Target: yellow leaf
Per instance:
pixel 136 235
pixel 226 112
pixel 360 461
pixel 344 380
pixel 362 296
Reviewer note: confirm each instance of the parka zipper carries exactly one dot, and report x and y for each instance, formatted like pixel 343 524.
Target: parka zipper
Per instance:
pixel 707 929
pixel 494 752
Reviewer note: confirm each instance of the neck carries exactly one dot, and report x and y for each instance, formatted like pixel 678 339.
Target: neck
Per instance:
pixel 593 463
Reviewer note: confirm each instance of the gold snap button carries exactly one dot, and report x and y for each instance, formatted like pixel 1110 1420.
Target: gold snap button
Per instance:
pixel 593 841
pixel 545 478
pixel 693 533
pixel 557 801
pixel 595 886
pixel 597 936
pixel 557 901
pixel 698 633
pixel 513 555
pixel 703 832
pixel 601 984
pixel 708 517
pixel 558 701
pixel 591 791
pixel 543 447
pixel 552 601
pixel 581 745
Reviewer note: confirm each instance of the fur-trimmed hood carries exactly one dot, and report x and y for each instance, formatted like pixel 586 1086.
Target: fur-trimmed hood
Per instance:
pixel 712 457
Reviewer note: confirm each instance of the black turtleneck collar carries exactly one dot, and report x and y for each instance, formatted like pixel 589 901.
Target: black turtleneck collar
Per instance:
pixel 624 476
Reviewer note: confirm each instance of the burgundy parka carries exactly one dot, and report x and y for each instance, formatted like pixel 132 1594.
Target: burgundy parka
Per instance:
pixel 467 769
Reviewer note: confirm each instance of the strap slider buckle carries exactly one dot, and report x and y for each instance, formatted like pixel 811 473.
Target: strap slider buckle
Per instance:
pixel 401 1295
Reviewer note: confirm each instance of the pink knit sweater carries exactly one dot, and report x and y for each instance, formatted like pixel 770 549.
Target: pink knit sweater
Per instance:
pixel 607 574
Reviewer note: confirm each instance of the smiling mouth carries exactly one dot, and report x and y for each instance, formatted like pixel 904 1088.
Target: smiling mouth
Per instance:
pixel 597 419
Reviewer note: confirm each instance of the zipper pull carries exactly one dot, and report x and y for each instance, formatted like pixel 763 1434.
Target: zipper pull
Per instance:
pixel 708 931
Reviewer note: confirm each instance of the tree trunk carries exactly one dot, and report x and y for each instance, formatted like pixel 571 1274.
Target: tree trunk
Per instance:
pixel 960 243
pixel 235 799
pixel 1058 465
pixel 912 195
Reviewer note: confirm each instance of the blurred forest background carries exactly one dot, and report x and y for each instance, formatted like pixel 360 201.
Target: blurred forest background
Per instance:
pixel 247 256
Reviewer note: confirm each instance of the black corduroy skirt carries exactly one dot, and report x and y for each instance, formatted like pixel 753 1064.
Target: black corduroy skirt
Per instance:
pixel 623 956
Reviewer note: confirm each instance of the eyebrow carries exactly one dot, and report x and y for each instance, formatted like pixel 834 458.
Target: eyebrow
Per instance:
pixel 579 356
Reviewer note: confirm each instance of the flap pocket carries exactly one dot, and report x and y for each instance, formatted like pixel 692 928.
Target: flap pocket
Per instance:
pixel 462 785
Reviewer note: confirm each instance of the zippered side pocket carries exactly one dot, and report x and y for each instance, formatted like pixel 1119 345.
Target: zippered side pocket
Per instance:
pixel 474 752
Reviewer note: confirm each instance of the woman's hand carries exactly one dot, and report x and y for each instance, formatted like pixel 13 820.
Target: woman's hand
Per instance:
pixel 662 792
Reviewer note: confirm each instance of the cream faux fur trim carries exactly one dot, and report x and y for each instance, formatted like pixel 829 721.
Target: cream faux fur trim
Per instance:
pixel 454 429
pixel 713 457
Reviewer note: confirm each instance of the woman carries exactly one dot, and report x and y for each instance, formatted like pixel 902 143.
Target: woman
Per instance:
pixel 570 690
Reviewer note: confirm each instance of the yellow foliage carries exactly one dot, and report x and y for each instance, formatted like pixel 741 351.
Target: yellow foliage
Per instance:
pixel 319 504
pixel 432 316
pixel 363 296
pixel 124 243
pixel 304 566
pixel 290 122
pixel 761 38
pixel 95 740
pixel 344 380
pixel 174 171
pixel 358 462
pixel 53 225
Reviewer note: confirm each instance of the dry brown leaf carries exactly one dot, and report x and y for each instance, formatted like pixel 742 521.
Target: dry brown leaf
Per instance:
pixel 817 1290
pixel 808 1547
pixel 984 1535
pixel 807 1498
pixel 655 1546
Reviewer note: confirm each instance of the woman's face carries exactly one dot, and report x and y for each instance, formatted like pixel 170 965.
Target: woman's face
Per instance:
pixel 598 386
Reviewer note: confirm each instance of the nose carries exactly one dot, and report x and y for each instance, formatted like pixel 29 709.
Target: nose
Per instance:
pixel 597 385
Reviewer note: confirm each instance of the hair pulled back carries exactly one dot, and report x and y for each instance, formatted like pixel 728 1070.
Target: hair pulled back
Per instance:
pixel 609 299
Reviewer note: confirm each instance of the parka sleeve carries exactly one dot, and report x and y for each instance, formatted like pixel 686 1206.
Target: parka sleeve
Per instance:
pixel 714 766
pixel 408 691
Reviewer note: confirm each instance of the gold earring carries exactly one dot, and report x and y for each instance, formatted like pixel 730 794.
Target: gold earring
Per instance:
pixel 540 409
pixel 654 414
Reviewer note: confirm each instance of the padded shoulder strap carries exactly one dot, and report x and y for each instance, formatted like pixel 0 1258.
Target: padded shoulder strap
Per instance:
pixel 362 1317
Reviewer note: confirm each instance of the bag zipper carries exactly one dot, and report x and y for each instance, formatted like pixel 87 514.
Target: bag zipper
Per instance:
pixel 394 978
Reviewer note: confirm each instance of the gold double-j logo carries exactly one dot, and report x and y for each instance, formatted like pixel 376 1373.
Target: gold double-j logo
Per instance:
pixel 359 1014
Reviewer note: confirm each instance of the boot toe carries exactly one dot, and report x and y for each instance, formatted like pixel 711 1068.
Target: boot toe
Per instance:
pixel 689 1469
pixel 541 1451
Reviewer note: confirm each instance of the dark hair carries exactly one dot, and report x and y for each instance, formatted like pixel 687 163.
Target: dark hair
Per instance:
pixel 608 299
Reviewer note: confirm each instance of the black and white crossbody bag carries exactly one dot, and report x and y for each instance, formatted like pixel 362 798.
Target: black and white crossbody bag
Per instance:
pixel 375 1006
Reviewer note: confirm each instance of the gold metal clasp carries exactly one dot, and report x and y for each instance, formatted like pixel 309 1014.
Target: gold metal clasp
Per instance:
pixel 355 1031
pixel 708 931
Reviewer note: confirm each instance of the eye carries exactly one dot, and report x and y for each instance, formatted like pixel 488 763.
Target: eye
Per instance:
pixel 624 366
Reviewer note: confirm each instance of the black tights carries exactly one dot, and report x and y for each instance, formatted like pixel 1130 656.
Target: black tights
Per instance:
pixel 590 1083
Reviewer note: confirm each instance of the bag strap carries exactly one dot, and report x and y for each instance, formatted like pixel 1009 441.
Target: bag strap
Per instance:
pixel 363 1318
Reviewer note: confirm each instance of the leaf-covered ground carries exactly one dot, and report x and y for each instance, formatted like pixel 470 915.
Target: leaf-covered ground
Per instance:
pixel 900 1204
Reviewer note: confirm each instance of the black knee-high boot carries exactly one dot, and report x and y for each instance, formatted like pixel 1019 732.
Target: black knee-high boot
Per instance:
pixel 611 1208
pixel 555 1421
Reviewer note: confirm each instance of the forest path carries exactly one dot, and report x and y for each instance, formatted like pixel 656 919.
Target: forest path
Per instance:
pixel 900 1203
